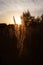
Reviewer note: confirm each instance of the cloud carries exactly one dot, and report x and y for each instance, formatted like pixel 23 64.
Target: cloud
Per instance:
pixel 20 4
pixel 17 6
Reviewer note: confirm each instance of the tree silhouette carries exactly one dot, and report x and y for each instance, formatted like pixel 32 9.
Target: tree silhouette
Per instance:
pixel 42 18
pixel 26 17
pixel 32 51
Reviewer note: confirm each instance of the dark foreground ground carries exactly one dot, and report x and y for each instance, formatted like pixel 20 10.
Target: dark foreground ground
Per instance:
pixel 32 53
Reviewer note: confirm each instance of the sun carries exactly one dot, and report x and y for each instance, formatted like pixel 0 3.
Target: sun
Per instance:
pixel 18 20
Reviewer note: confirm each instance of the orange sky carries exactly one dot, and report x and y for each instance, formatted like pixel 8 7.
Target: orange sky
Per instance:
pixel 10 8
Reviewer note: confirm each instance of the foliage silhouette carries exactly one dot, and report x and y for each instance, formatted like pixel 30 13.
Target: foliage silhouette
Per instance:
pixel 32 53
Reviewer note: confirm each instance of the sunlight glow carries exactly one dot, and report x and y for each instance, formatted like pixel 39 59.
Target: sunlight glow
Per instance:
pixel 18 20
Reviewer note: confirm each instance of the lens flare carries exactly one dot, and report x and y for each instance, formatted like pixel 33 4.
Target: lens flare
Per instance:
pixel 20 33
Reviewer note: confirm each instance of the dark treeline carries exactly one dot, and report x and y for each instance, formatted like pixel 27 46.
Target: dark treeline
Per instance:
pixel 32 53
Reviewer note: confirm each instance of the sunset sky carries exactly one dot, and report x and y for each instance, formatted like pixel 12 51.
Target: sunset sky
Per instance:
pixel 10 8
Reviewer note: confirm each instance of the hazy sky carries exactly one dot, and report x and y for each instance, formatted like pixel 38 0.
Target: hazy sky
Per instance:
pixel 8 8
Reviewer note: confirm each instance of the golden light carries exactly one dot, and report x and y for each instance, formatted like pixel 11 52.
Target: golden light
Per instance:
pixel 18 20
